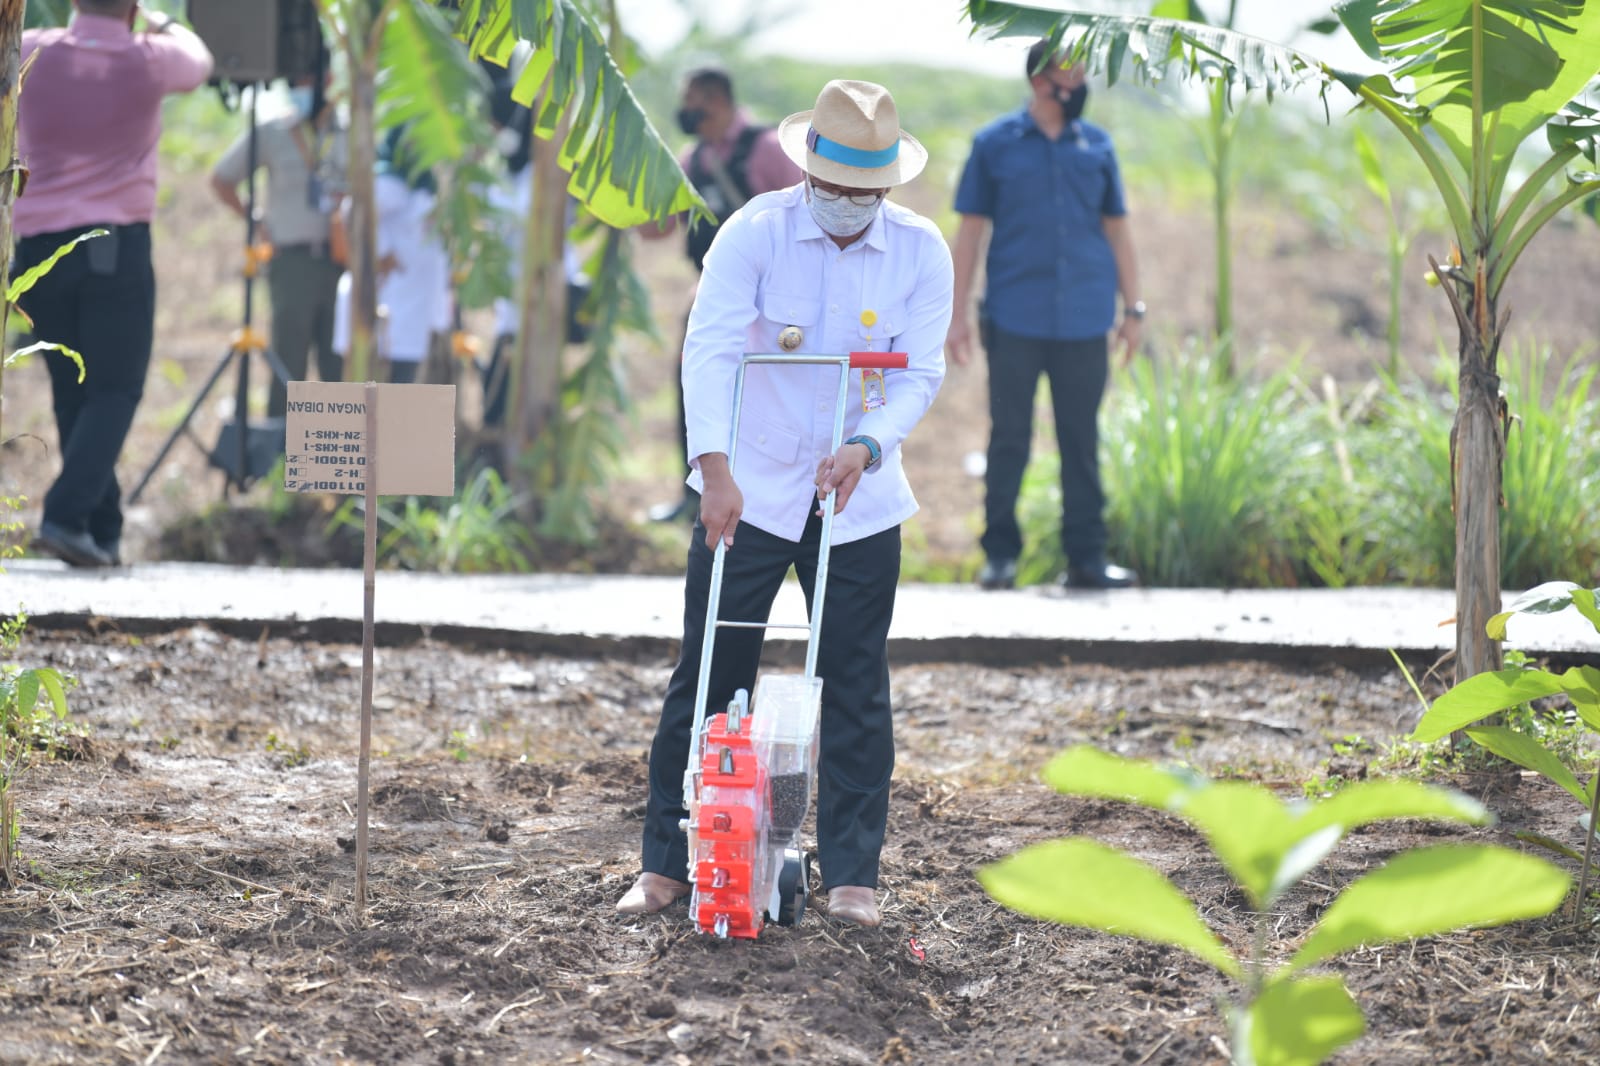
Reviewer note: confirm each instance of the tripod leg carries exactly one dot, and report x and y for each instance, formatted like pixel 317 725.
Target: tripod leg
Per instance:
pixel 183 426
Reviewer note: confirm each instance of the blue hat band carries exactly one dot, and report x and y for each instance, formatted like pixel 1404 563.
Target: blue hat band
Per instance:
pixel 851 157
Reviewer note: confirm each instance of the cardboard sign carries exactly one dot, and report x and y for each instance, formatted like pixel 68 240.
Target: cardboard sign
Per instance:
pixel 326 439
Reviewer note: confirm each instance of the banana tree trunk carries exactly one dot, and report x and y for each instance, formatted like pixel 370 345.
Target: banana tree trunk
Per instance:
pixel 362 41
pixel 11 12
pixel 1477 451
pixel 541 338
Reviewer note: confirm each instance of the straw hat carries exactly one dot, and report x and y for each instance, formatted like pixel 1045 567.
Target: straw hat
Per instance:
pixel 853 138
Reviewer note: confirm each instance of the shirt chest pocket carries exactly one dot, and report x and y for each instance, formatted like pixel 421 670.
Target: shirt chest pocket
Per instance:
pixel 779 310
pixel 888 322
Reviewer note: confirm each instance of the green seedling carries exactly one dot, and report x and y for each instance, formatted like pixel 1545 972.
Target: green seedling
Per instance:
pixel 1282 1015
pixel 1482 696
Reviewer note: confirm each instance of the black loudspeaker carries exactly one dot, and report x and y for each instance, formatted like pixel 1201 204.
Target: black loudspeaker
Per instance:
pixel 259 40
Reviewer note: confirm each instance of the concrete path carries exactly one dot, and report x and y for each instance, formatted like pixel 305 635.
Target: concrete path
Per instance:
pixel 608 614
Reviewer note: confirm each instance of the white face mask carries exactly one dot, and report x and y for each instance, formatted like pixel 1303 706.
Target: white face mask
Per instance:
pixel 301 97
pixel 841 217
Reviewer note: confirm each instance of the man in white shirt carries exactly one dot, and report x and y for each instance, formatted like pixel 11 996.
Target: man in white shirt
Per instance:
pixel 827 266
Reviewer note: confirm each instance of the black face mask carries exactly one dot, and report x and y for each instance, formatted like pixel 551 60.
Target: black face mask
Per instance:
pixel 689 119
pixel 1071 101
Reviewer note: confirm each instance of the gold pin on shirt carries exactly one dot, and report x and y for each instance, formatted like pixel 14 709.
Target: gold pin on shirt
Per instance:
pixel 790 338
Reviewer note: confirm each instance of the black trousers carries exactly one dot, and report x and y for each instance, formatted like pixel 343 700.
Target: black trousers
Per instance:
pixel 857 748
pixel 100 302
pixel 1077 371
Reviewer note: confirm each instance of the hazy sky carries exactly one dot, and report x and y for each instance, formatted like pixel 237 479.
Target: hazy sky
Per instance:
pixel 927 31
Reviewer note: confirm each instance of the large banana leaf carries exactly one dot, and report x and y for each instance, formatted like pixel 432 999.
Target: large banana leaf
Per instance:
pixel 1503 68
pixel 621 168
pixel 429 84
pixel 1152 44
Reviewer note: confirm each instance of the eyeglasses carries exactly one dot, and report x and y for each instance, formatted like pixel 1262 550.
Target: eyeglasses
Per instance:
pixel 860 199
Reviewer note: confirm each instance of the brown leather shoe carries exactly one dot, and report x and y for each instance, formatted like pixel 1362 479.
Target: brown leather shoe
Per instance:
pixel 853 903
pixel 652 893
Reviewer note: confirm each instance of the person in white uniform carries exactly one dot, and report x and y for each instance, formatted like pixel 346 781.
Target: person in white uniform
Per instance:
pixel 826 266
pixel 414 294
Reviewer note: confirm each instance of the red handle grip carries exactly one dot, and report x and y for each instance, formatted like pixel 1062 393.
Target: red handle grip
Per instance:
pixel 879 360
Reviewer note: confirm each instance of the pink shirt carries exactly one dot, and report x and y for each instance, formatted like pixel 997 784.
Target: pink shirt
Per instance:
pixel 90 117
pixel 768 168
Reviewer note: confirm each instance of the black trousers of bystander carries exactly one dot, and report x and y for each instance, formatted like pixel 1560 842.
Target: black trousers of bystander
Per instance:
pixel 1077 370
pixel 99 301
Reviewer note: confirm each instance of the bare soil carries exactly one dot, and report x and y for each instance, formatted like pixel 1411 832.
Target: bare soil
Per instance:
pixel 189 880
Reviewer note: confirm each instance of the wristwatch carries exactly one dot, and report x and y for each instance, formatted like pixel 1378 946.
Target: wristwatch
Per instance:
pixel 874 453
pixel 1134 310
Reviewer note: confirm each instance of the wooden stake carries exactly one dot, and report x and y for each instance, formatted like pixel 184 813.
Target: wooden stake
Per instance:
pixel 369 566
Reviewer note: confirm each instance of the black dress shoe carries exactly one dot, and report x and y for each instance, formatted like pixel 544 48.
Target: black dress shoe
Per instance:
pixel 998 574
pixel 74 549
pixel 1099 576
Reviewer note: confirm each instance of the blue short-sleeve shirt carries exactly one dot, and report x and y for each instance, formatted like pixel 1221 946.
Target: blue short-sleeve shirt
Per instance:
pixel 1050 267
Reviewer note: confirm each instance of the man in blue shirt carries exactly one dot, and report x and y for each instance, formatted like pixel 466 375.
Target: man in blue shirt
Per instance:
pixel 1047 184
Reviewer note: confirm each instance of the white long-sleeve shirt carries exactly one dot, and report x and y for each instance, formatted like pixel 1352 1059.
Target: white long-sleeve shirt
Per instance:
pixel 772 267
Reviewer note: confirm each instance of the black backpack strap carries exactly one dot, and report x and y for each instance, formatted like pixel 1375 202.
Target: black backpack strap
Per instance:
pixel 739 161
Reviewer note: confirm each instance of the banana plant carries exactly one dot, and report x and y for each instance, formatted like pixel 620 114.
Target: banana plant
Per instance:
pixel 1282 1016
pixel 1467 83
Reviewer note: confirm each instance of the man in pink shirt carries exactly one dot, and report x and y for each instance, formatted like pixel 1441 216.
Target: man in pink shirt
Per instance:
pixel 731 161
pixel 88 125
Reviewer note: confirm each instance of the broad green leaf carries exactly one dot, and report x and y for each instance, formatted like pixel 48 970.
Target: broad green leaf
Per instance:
pixel 1085 770
pixel 48 346
pixel 1582 684
pixel 21 284
pixel 1529 754
pixel 1480 696
pixel 1300 858
pixel 27 693
pixel 1298 1022
pixel 1248 827
pixel 55 687
pixel 1552 597
pixel 1364 802
pixel 1434 890
pixel 1082 882
pixel 1584 601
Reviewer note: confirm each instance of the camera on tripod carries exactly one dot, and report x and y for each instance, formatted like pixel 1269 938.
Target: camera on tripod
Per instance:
pixel 259 40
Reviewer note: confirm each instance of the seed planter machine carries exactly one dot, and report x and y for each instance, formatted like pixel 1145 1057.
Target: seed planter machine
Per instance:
pixel 752 768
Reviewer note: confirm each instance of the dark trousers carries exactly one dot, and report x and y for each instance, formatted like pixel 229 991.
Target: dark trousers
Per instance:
pixel 303 284
pixel 857 749
pixel 1077 371
pixel 100 302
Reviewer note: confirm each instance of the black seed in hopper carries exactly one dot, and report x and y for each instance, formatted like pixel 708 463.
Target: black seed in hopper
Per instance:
pixel 789 795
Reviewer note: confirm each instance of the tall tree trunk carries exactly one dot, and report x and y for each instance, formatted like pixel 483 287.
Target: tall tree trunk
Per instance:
pixel 1222 130
pixel 541 303
pixel 11 12
pixel 1477 452
pixel 362 39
